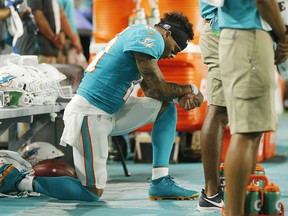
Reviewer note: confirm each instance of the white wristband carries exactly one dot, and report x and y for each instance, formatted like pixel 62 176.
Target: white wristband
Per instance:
pixel 175 100
pixel 194 89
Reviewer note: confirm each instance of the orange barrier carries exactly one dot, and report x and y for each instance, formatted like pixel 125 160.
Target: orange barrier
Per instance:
pixel 281 83
pixel 226 141
pixel 109 18
pixel 188 8
pixel 269 144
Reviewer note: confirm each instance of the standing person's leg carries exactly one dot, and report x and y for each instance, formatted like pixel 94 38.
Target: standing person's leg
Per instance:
pixel 47 59
pixel 211 146
pixel 240 154
pixel 141 111
pixel 247 69
pixel 214 124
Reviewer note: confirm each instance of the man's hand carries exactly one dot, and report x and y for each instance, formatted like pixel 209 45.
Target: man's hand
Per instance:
pixel 77 44
pixel 281 52
pixel 188 101
pixel 191 101
pixel 59 40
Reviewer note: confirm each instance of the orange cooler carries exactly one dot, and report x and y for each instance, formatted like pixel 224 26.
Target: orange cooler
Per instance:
pixel 109 18
pixel 269 144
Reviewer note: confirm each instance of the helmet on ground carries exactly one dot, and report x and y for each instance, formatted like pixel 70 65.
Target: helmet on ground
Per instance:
pixel 39 151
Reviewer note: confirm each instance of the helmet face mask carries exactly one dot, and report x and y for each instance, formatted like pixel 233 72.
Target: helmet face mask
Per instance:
pixel 55 77
pixel 45 93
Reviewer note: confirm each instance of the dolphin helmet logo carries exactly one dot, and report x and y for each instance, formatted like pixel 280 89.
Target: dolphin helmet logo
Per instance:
pixel 5 79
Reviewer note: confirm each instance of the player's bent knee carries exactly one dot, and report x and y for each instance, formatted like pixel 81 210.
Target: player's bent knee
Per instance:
pixel 95 191
pixel 168 109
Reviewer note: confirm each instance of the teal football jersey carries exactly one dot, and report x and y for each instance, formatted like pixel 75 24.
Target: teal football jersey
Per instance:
pixel 111 76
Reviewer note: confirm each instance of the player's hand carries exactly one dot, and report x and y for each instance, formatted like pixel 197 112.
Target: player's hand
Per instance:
pixel 59 40
pixel 188 101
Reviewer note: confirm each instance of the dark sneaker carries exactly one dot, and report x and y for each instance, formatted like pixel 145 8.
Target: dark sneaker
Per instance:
pixel 166 188
pixel 10 177
pixel 214 204
pixel 222 182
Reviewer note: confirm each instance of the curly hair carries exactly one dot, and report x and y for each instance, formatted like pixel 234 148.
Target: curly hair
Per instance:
pixel 178 19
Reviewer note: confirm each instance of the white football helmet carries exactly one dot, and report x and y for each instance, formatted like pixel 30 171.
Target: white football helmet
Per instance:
pixel 54 78
pixel 45 91
pixel 39 151
pixel 16 78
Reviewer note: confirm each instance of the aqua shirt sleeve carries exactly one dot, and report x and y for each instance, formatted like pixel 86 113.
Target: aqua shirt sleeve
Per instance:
pixel 145 40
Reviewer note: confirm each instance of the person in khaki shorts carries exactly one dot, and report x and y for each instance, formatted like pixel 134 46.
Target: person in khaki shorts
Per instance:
pixel 247 70
pixel 211 199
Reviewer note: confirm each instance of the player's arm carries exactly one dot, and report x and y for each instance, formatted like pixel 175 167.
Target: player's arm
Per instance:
pixel 144 87
pixel 187 102
pixel 154 84
pixel 269 11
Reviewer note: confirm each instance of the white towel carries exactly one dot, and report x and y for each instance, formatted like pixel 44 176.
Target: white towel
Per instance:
pixel 15 25
pixel 56 11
